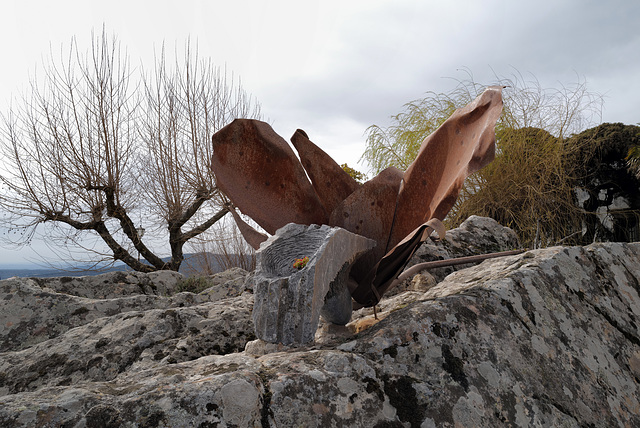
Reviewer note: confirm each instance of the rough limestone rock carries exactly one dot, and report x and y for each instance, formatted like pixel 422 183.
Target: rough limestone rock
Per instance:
pixel 64 338
pixel 230 283
pixel 114 284
pixel 289 301
pixel 548 338
pixel 38 309
pixel 32 314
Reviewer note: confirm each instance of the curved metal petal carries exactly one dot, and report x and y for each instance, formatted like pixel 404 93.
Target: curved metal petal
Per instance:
pixel 330 181
pixel 262 176
pixel 462 145
pixel 378 279
pixel 252 236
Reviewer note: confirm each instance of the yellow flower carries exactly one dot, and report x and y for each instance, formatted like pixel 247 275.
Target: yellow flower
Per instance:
pixel 300 263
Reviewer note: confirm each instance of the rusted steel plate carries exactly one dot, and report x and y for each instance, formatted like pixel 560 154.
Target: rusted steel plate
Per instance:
pixel 383 271
pixel 369 212
pixel 262 176
pixel 462 145
pixel 330 181
pixel 252 236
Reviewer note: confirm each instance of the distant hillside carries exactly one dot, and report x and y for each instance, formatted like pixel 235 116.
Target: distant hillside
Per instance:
pixel 193 264
pixel 49 273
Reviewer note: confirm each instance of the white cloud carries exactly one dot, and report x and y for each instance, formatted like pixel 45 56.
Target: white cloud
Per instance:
pixel 335 67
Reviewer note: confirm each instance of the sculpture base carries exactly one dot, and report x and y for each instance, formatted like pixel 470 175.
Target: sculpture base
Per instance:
pixel 288 301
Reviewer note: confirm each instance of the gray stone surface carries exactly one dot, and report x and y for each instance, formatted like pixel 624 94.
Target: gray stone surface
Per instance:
pixel 61 339
pixel 35 310
pixel 548 338
pixel 114 284
pixel 288 301
pixel 230 283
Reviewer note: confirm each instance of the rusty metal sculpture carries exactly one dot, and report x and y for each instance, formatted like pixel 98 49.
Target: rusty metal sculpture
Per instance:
pixel 262 176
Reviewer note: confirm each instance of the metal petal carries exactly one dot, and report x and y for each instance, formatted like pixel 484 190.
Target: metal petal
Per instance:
pixel 462 145
pixel 252 236
pixel 330 181
pixel 262 176
pixel 369 212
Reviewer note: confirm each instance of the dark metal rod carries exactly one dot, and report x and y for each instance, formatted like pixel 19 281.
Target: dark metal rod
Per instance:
pixel 452 262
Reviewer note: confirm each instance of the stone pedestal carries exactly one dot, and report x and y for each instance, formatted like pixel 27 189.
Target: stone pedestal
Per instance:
pixel 289 301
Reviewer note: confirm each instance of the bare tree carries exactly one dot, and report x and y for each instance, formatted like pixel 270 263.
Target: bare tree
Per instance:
pixel 95 145
pixel 222 247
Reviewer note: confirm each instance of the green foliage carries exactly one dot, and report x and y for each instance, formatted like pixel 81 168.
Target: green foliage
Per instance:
pixel 194 284
pixel 633 160
pixel 604 176
pixel 530 186
pixel 527 187
pixel 355 174
pixel 607 147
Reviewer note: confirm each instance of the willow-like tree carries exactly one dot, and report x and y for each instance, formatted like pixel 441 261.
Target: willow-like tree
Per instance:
pixel 530 186
pixel 98 149
pixel 633 160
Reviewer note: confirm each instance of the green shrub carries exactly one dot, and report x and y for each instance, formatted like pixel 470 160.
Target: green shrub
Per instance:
pixel 194 284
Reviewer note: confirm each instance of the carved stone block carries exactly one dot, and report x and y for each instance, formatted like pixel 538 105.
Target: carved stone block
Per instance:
pixel 288 300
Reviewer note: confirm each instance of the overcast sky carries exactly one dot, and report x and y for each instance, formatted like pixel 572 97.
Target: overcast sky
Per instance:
pixel 333 68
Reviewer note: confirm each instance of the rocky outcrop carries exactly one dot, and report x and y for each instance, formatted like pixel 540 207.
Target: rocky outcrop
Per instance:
pixel 114 284
pixel 546 338
pixel 61 339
